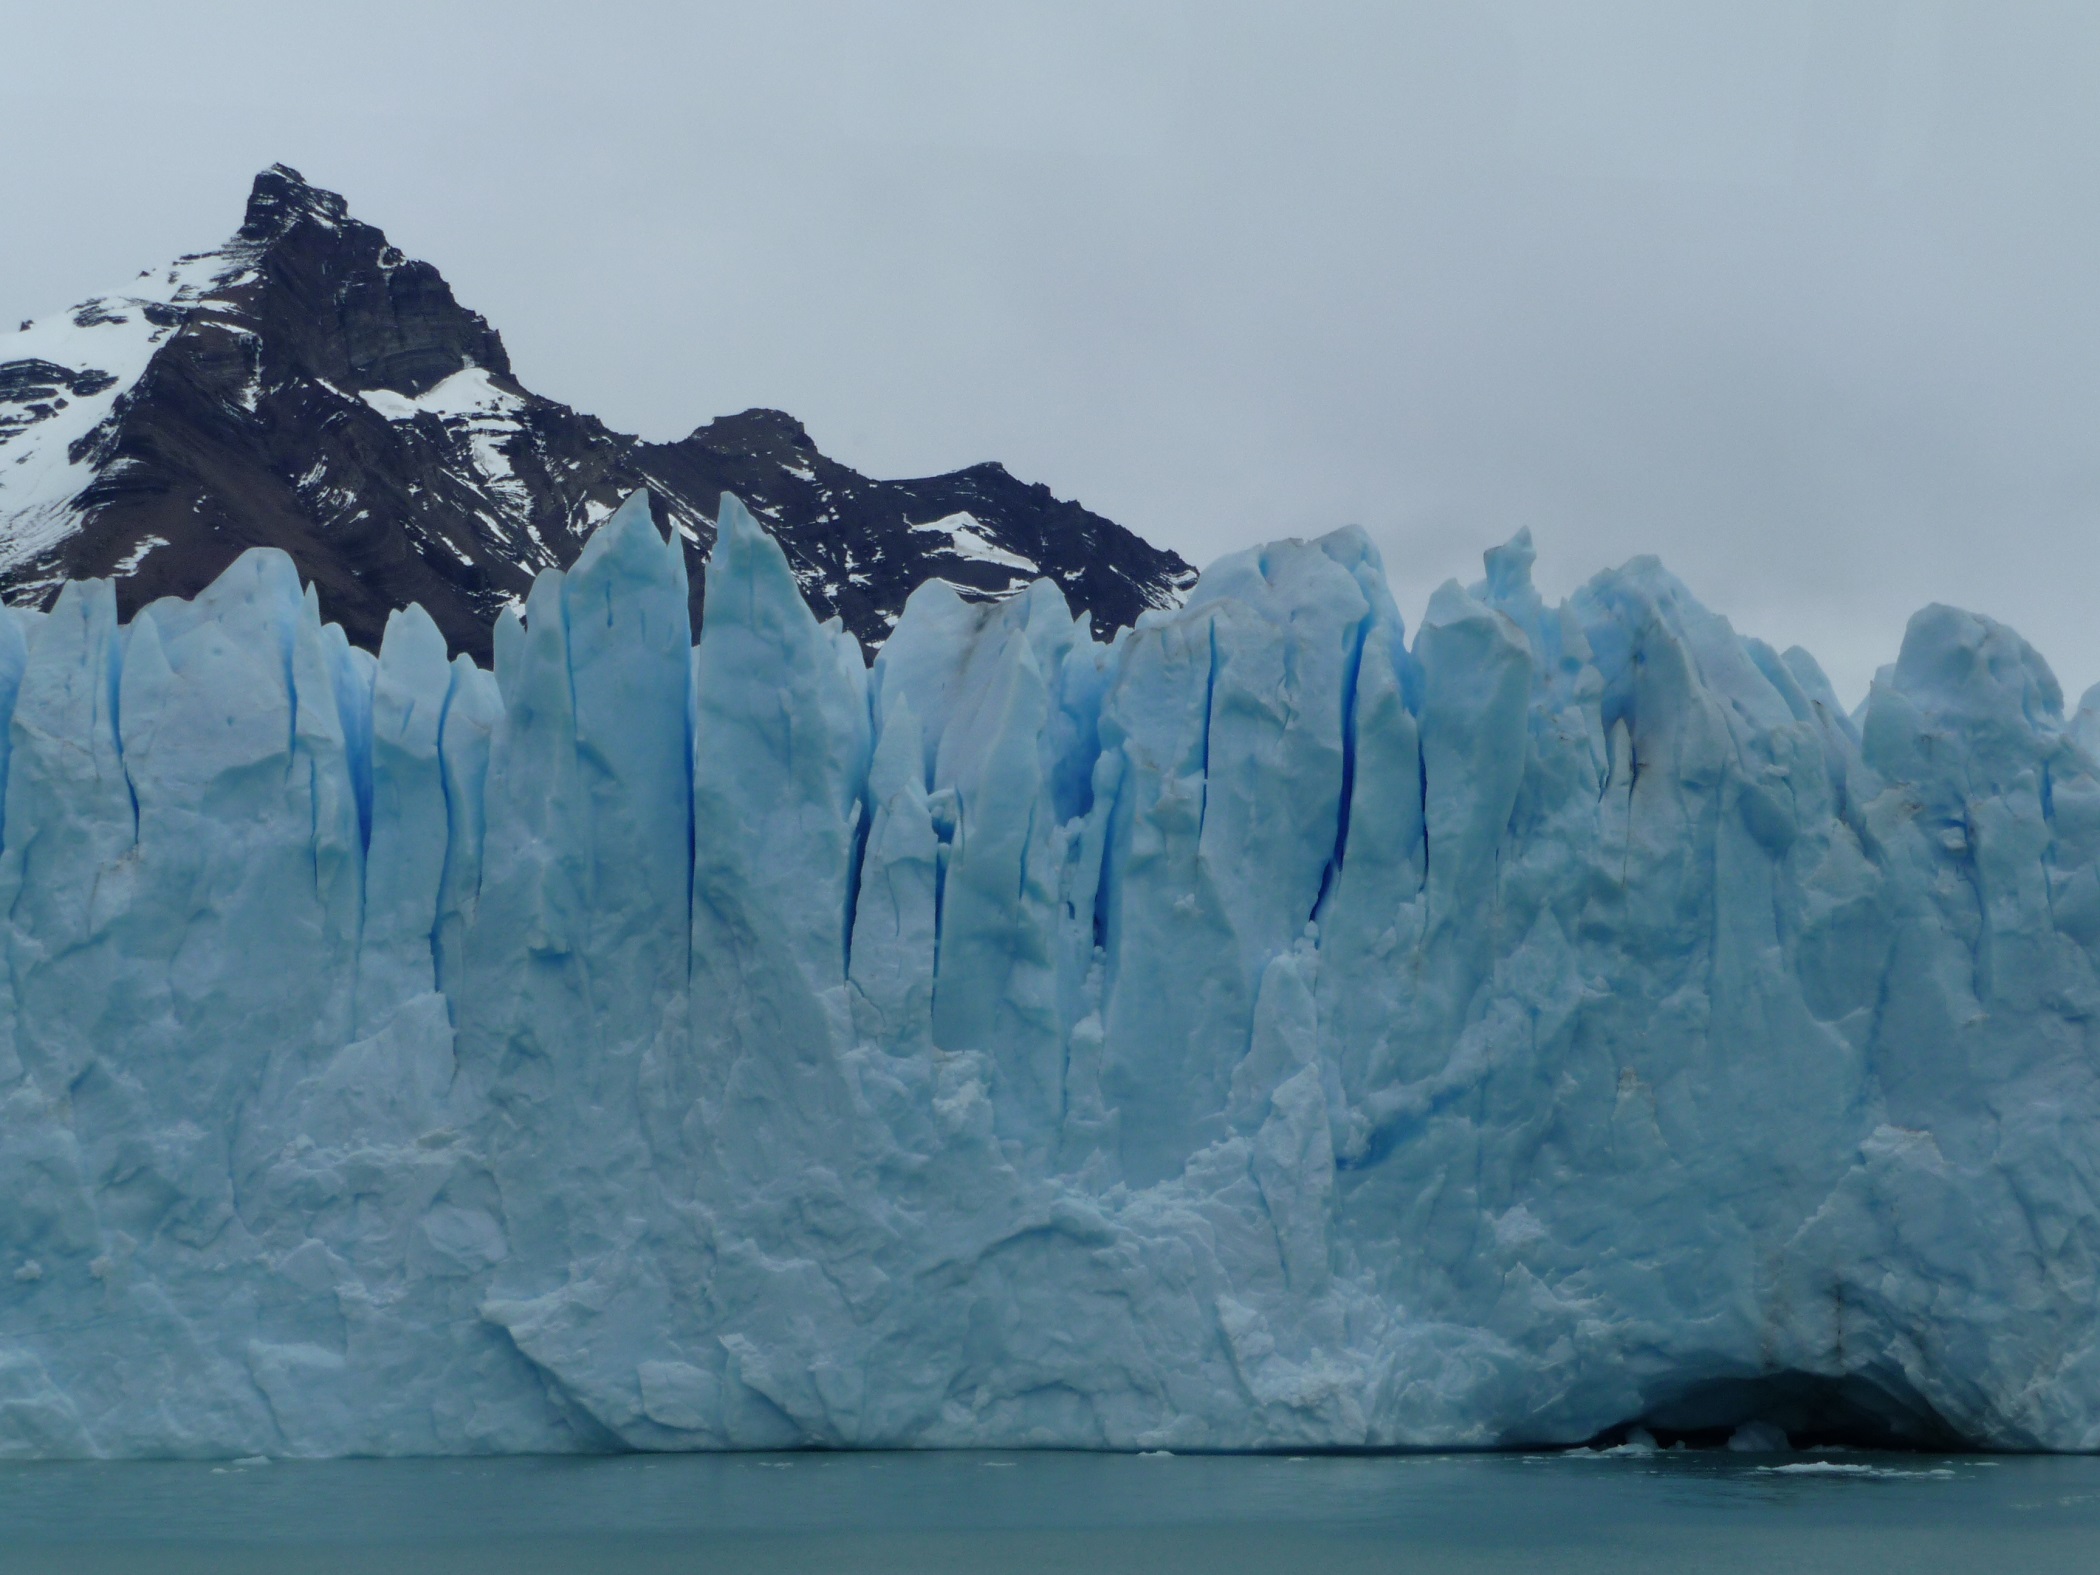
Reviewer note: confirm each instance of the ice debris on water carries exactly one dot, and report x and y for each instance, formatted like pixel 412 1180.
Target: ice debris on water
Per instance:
pixel 1832 1468
pixel 1258 1030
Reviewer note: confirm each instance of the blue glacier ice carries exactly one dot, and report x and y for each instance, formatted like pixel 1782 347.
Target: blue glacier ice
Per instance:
pixel 1255 1031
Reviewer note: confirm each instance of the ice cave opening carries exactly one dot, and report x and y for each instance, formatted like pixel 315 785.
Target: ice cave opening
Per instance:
pixel 1813 1410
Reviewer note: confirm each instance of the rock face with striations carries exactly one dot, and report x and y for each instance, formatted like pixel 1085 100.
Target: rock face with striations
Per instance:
pixel 307 387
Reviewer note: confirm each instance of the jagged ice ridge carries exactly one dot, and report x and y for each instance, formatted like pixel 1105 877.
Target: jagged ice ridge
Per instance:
pixel 1252 1032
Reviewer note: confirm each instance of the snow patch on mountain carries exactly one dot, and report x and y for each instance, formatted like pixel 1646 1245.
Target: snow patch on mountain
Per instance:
pixel 966 538
pixel 465 395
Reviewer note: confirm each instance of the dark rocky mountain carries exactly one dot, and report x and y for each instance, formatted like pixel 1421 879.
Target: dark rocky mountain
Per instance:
pixel 308 387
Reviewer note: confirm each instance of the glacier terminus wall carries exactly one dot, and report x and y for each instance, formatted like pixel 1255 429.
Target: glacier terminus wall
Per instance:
pixel 1257 1031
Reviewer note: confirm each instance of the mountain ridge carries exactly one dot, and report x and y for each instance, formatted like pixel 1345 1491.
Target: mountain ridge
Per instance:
pixel 309 386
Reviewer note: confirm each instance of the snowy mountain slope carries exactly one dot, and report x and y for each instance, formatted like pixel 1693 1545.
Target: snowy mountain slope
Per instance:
pixel 61 380
pixel 308 387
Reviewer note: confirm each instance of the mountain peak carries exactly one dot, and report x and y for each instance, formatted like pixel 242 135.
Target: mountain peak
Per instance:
pixel 345 302
pixel 308 387
pixel 280 198
pixel 757 431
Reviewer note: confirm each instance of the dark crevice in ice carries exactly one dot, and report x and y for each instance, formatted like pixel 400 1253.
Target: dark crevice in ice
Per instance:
pixel 1352 670
pixel 1210 692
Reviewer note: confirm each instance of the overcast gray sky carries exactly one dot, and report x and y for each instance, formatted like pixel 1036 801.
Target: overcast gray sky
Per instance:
pixel 1803 297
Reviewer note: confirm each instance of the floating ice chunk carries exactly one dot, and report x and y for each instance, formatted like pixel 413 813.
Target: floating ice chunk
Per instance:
pixel 1758 1438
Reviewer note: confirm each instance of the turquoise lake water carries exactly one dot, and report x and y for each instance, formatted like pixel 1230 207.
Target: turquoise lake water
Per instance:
pixel 1859 1514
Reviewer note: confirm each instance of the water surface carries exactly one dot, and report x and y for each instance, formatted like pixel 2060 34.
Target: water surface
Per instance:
pixel 992 1513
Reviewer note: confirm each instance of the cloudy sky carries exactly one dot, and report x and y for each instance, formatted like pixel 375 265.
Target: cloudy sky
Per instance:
pixel 1802 296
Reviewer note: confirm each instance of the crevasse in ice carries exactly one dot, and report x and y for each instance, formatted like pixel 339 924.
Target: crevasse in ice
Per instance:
pixel 1254 1031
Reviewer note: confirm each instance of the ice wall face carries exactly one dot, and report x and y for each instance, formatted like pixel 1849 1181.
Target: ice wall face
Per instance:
pixel 1256 1031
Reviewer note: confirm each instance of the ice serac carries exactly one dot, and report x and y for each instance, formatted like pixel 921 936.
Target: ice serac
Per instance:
pixel 1254 1031
pixel 779 772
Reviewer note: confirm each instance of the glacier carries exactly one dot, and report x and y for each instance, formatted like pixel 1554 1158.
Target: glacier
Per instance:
pixel 1257 1031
